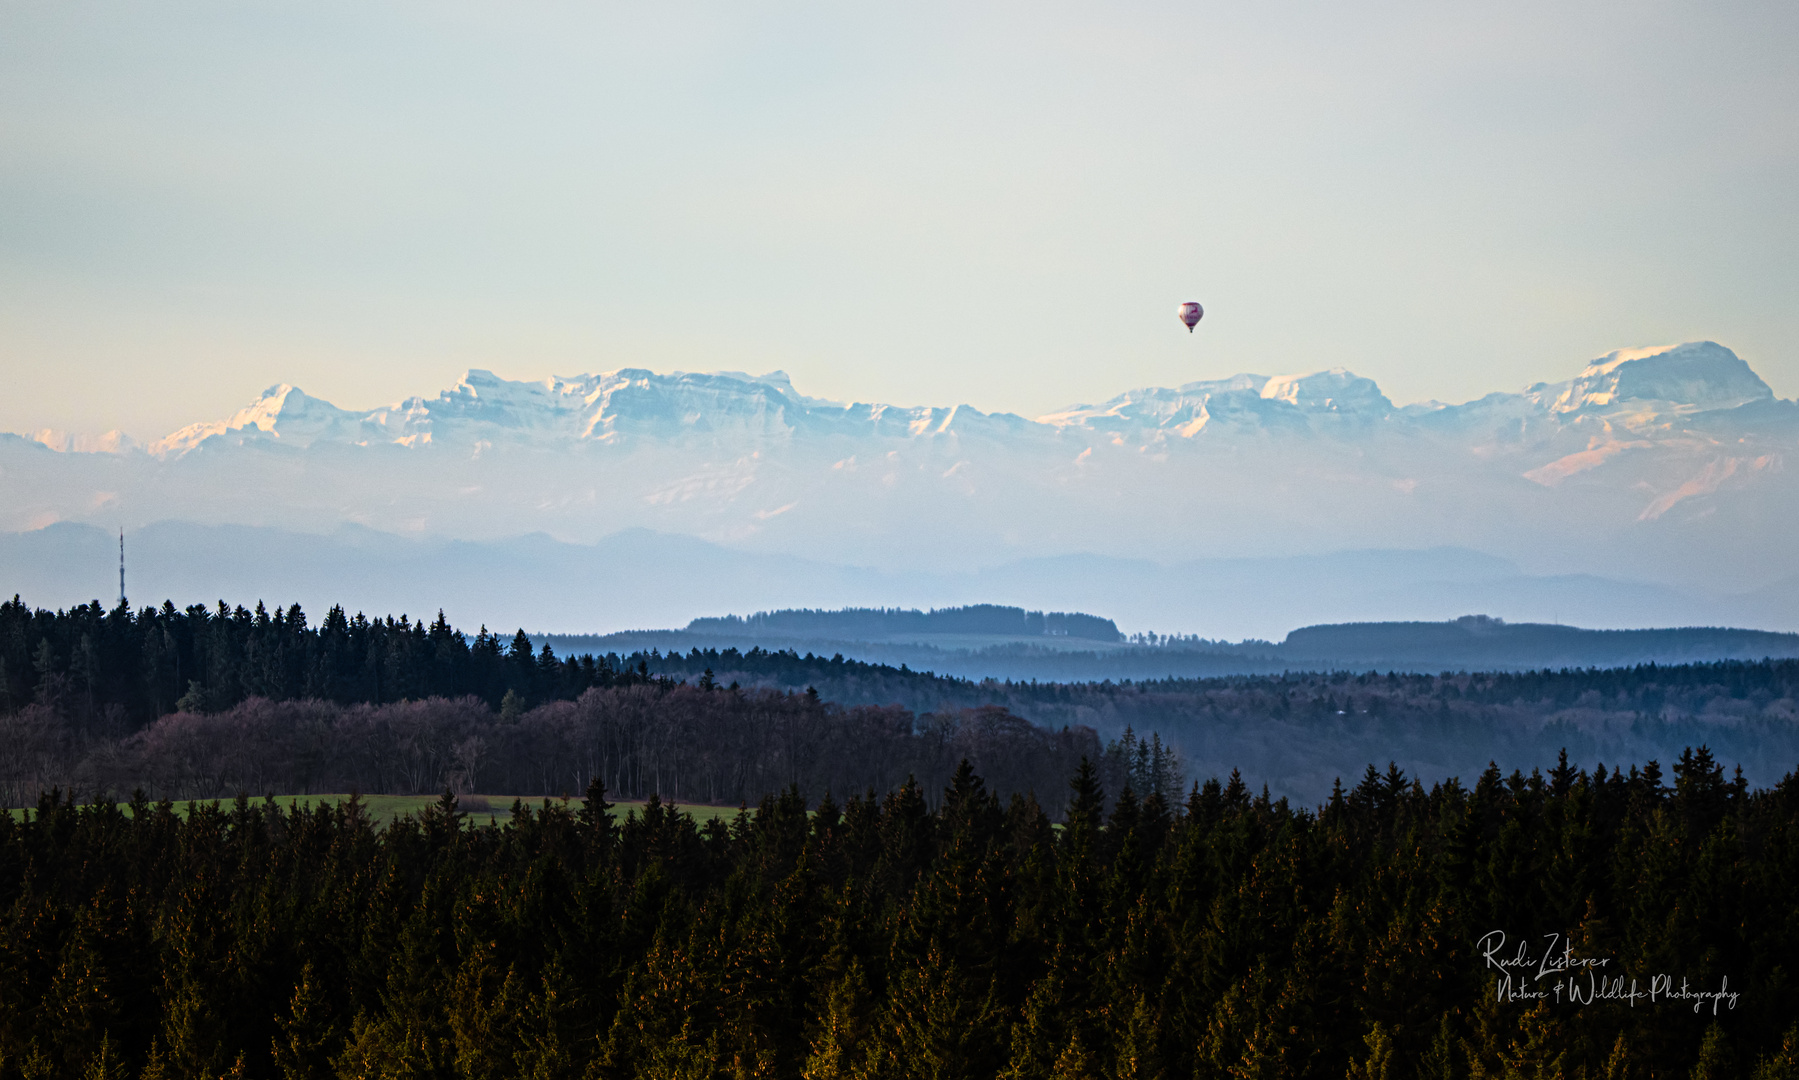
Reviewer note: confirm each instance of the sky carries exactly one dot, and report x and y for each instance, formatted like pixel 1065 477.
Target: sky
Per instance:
pixel 930 203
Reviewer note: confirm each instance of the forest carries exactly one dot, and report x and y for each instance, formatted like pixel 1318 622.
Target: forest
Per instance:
pixel 393 706
pixel 703 743
pixel 930 878
pixel 1298 731
pixel 126 667
pixel 120 669
pixel 1564 924
pixel 209 701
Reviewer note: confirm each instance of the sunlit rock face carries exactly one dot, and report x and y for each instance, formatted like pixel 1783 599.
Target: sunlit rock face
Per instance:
pixel 1667 464
pixel 1684 379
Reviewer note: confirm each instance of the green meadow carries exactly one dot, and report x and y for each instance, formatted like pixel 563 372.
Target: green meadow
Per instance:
pixel 481 809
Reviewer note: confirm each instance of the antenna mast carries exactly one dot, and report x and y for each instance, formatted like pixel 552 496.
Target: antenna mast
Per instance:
pixel 121 566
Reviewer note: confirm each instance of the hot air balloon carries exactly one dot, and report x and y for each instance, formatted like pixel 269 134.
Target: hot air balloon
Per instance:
pixel 1191 313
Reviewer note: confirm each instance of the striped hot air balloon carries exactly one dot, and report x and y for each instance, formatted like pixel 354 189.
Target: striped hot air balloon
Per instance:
pixel 1191 313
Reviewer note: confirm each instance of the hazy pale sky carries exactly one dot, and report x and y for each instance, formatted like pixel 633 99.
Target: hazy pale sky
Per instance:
pixel 929 203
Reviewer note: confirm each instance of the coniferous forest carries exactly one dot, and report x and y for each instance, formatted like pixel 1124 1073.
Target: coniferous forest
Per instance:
pixel 1649 931
pixel 958 893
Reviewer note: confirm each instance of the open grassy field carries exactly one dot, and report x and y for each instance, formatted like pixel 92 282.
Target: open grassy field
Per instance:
pixel 480 808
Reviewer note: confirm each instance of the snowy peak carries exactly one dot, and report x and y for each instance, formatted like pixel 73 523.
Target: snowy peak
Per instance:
pixel 63 442
pixel 484 407
pixel 630 401
pixel 637 402
pixel 1690 387
pixel 1696 377
pixel 283 413
pixel 1329 398
pixel 1640 452
pixel 1335 390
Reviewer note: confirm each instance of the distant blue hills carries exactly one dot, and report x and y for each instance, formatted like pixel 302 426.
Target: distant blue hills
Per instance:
pixel 635 580
pixel 883 624
pixel 991 641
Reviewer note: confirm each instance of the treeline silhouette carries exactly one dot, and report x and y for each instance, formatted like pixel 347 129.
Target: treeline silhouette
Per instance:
pixel 120 669
pixel 126 667
pixel 874 624
pixel 1227 936
pixel 1299 730
pixel 1651 689
pixel 1470 643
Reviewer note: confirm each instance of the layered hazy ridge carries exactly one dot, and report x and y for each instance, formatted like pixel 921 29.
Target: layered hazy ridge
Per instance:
pixel 1662 472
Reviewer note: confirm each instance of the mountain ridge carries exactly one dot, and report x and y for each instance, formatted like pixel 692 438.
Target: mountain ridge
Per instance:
pixel 1686 379
pixel 1663 466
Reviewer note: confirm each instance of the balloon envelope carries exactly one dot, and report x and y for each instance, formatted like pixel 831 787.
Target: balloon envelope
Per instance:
pixel 1191 313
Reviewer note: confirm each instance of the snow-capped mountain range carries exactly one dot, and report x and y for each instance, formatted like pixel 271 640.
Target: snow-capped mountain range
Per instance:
pixel 1657 391
pixel 1666 465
